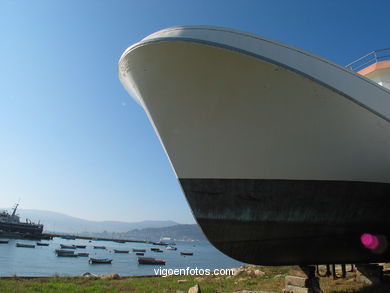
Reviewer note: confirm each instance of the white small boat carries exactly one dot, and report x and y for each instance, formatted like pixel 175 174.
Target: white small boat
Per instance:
pixel 171 248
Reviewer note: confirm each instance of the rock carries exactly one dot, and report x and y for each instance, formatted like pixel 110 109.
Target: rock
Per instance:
pixel 277 276
pixel 236 271
pixel 303 271
pixel 259 273
pixel 181 281
pixel 199 279
pixel 249 270
pixel 296 281
pixel 369 273
pixel 110 277
pixel 368 281
pixel 195 289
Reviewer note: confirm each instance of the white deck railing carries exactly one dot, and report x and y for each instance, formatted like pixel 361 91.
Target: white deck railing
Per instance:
pixel 370 58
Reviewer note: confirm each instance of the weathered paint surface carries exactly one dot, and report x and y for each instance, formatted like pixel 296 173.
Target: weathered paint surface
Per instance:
pixel 275 222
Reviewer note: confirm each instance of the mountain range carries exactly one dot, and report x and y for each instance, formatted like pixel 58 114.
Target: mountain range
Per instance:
pixel 61 223
pixel 176 232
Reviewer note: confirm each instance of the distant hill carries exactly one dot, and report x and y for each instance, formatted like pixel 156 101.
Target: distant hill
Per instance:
pixel 176 232
pixel 61 223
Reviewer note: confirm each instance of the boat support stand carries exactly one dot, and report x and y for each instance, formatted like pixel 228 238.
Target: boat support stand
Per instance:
pixel 302 279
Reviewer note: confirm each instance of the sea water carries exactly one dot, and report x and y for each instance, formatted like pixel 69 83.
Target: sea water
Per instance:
pixel 42 260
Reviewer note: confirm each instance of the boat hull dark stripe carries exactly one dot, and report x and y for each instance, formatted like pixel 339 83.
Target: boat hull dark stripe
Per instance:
pixel 282 222
pixel 21 228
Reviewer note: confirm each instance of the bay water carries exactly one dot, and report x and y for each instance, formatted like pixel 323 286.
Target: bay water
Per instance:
pixel 42 260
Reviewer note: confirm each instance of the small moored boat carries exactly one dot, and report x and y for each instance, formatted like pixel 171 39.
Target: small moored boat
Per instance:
pixel 42 244
pixel 150 261
pixel 68 246
pixel 160 243
pixel 81 246
pixel 186 253
pixel 139 253
pixel 67 254
pixel 3 241
pixel 25 245
pixel 120 251
pixel 99 247
pixel 171 248
pixel 100 260
pixel 83 254
pixel 139 250
pixel 63 250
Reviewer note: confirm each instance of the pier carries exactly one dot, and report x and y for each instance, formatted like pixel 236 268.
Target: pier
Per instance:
pixel 52 235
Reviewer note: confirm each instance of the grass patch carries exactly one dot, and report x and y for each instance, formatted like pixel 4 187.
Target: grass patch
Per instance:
pixel 271 279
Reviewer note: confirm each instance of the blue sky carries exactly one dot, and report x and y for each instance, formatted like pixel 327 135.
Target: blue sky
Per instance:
pixel 73 141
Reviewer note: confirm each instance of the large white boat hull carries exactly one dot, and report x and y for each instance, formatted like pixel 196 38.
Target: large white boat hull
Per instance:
pixel 284 157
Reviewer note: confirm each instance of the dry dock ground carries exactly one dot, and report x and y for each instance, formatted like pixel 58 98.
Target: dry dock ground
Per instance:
pixel 254 278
